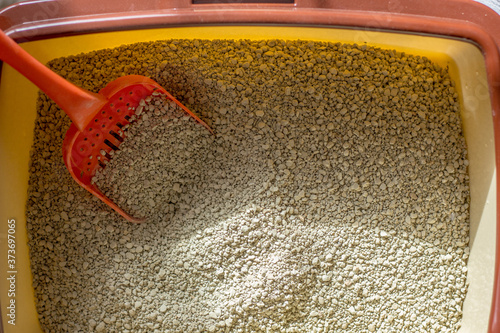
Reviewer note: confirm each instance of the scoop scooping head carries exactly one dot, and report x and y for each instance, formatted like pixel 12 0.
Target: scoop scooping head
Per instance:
pixel 86 150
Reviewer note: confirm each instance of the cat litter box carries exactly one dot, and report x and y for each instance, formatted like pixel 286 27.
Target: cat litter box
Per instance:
pixel 461 35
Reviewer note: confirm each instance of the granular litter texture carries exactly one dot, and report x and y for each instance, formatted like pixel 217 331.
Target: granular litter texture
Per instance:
pixel 332 198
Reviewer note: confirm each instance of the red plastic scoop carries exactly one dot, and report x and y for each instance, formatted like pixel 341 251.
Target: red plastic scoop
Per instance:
pixel 98 119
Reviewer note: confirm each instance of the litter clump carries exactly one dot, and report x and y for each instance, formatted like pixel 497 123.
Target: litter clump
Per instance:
pixel 161 160
pixel 333 198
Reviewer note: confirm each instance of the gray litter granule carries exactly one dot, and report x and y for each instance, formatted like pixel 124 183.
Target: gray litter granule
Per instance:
pixel 333 197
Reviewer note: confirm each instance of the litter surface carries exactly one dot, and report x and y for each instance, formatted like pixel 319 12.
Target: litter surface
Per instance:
pixel 333 197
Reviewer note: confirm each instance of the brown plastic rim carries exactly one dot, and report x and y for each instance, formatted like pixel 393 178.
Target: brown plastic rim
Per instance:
pixel 455 18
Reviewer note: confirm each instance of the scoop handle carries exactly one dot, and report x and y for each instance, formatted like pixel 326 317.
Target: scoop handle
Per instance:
pixel 79 104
